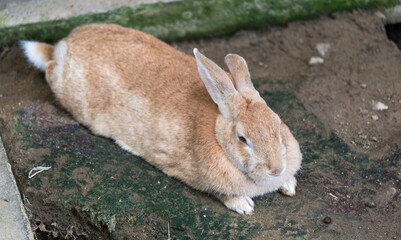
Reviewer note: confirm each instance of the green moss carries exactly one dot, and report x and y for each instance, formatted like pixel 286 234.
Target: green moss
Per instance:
pixel 2 19
pixel 192 18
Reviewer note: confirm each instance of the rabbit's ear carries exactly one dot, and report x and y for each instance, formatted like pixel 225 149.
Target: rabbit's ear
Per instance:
pixel 218 84
pixel 239 71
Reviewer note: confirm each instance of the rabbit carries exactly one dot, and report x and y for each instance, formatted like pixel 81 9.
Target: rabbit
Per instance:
pixel 185 115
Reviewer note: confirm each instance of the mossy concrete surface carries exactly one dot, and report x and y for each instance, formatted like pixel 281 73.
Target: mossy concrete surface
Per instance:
pixel 106 192
pixel 191 18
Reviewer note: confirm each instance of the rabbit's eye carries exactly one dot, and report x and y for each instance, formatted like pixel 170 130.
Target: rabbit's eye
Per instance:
pixel 242 139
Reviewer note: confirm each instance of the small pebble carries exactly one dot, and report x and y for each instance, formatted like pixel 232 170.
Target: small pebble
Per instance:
pixel 371 204
pixel 42 227
pixel 327 220
pixel 375 117
pixel 391 192
pixel 316 61
pixel 323 49
pixel 262 64
pixel 363 85
pixel 379 106
pixel 364 111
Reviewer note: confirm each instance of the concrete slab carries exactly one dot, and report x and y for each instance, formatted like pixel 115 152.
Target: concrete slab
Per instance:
pixel 32 11
pixel 14 222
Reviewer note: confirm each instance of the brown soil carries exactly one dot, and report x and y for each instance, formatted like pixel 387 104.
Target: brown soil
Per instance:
pixel 363 66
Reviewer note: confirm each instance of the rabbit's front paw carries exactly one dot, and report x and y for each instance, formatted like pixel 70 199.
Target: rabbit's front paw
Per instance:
pixel 289 187
pixel 240 204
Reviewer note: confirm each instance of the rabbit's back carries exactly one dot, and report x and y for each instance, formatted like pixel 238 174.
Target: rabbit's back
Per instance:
pixel 111 56
pixel 132 87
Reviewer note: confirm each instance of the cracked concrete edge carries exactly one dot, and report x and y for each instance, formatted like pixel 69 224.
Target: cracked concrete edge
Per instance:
pixel 14 223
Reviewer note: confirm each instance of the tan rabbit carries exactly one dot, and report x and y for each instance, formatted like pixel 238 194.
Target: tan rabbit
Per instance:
pixel 151 99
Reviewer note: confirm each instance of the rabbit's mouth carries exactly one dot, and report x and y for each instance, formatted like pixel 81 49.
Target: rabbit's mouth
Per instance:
pixel 262 179
pixel 266 175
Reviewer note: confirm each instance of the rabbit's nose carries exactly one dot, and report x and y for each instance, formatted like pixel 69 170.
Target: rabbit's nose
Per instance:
pixel 275 172
pixel 277 169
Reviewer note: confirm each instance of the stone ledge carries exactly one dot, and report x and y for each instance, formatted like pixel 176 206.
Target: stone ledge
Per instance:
pixel 189 19
pixel 14 222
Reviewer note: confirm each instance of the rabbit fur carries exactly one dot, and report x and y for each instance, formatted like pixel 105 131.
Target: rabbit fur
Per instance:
pixel 184 115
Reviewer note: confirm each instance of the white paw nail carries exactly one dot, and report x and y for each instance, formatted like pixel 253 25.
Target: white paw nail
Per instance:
pixel 288 188
pixel 240 204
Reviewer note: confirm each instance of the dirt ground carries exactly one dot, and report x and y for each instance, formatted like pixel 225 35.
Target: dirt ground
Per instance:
pixel 361 68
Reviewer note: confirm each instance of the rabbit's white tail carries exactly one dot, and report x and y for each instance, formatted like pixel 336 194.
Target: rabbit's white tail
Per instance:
pixel 39 54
